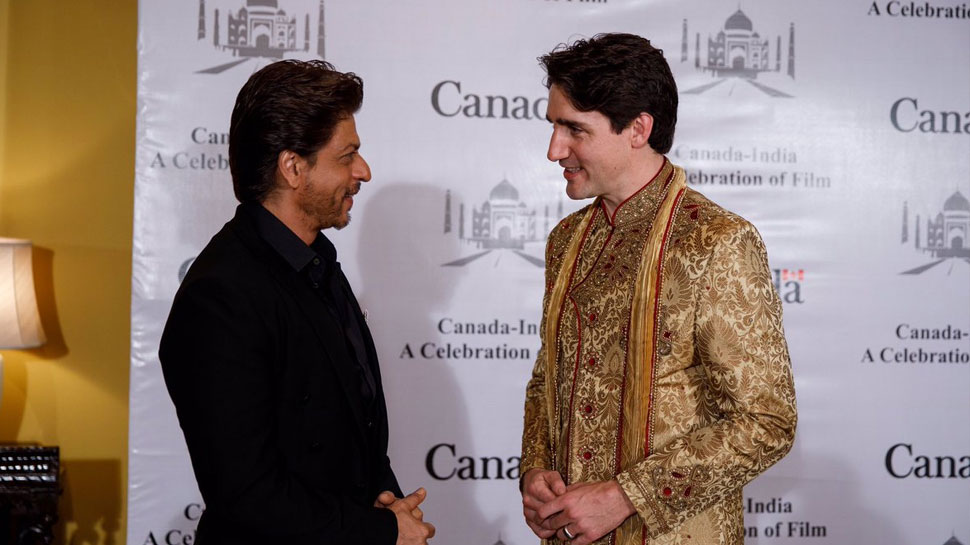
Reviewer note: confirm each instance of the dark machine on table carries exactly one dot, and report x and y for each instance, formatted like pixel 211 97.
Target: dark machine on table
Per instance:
pixel 29 487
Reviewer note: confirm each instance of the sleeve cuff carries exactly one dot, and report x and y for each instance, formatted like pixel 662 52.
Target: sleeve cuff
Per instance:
pixel 646 505
pixel 384 528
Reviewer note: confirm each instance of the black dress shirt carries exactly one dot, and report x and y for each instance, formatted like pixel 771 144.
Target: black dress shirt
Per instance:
pixel 318 264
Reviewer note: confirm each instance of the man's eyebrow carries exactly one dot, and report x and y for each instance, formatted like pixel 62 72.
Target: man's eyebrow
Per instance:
pixel 351 146
pixel 567 122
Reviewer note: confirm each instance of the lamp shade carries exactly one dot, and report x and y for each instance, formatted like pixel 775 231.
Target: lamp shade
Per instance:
pixel 19 320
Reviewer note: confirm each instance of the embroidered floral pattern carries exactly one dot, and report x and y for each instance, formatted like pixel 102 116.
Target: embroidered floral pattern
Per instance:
pixel 723 405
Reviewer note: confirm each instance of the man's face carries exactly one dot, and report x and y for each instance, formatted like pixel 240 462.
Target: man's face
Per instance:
pixel 335 177
pixel 591 154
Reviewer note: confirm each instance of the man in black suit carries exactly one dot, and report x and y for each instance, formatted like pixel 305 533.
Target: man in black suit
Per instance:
pixel 266 354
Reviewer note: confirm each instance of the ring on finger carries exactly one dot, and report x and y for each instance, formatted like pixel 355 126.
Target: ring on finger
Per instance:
pixel 569 535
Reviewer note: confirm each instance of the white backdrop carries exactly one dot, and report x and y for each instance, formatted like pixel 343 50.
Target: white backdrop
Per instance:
pixel 840 129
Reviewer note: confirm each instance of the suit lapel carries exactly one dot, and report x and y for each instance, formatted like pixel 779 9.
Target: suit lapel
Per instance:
pixel 368 340
pixel 328 332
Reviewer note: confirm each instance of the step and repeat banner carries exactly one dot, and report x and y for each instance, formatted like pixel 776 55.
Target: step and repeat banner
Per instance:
pixel 840 129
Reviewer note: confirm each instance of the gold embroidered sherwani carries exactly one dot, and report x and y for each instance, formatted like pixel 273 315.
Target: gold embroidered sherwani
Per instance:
pixel 663 362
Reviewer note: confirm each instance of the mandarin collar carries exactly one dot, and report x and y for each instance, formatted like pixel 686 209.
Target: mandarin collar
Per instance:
pixel 643 203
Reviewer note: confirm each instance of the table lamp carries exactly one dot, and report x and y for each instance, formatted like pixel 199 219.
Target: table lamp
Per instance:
pixel 20 325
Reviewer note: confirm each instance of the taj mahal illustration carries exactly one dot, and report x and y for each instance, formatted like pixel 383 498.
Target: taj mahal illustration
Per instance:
pixel 258 29
pixel 945 236
pixel 739 51
pixel 503 221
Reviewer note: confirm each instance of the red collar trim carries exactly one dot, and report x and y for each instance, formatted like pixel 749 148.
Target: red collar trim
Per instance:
pixel 612 219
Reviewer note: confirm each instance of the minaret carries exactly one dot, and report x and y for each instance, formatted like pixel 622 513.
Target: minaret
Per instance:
pixel 448 211
pixel 710 54
pixel 320 34
pixel 916 236
pixel 905 221
pixel 791 51
pixel 778 55
pixel 215 30
pixel 461 221
pixel 697 51
pixel 683 44
pixel 306 33
pixel 201 20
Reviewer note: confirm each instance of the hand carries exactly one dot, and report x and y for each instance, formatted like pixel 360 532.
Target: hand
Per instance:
pixel 540 486
pixel 591 510
pixel 387 498
pixel 411 528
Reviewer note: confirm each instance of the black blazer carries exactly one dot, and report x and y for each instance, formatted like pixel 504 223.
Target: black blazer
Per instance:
pixel 268 397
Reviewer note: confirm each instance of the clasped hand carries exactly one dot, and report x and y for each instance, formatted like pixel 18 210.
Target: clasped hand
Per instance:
pixel 588 511
pixel 411 528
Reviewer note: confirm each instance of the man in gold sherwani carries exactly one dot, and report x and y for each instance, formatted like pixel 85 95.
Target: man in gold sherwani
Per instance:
pixel 663 385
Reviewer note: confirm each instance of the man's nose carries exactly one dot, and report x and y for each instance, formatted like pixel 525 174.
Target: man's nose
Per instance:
pixel 362 170
pixel 557 149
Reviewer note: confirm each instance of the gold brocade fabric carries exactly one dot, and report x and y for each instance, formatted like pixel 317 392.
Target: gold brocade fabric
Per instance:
pixel 685 399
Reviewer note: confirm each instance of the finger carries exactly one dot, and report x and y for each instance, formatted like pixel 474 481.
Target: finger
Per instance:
pixel 548 525
pixel 541 493
pixel 577 539
pixel 384 499
pixel 417 513
pixel 544 532
pixel 415 498
pixel 550 508
pixel 540 532
pixel 581 538
pixel 559 521
pixel 431 529
pixel 532 518
pixel 558 488
pixel 530 502
pixel 555 483
pixel 420 493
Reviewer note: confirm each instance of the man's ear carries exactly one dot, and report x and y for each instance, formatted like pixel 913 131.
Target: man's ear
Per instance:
pixel 642 126
pixel 291 167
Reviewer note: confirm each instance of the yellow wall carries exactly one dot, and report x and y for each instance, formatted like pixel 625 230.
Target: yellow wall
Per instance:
pixel 67 129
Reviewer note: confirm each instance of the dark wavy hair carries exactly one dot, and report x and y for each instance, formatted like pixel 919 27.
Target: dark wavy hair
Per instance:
pixel 620 76
pixel 288 105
